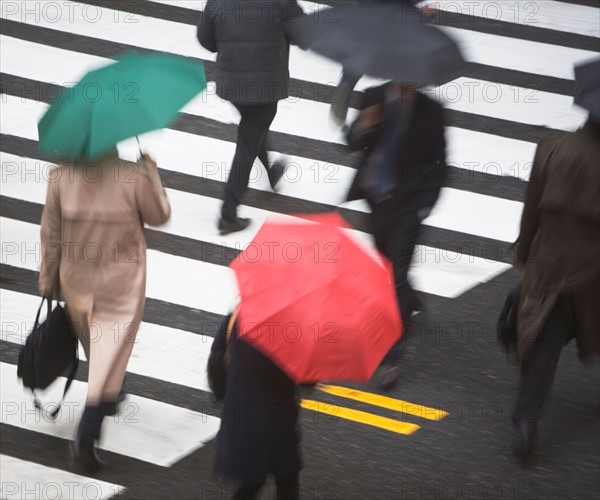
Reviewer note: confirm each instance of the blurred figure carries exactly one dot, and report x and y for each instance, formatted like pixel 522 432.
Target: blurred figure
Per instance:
pixel 259 416
pixel 94 253
pixel 400 175
pixel 559 251
pixel 340 101
pixel 252 73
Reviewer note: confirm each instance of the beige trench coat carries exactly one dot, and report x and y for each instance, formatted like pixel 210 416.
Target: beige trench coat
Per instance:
pixel 94 252
pixel 559 243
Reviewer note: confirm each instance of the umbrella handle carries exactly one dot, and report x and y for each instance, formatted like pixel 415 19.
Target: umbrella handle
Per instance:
pixel 139 145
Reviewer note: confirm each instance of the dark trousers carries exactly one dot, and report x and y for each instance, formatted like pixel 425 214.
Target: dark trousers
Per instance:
pixel 287 489
pixel 397 243
pixel 539 368
pixel 251 143
pixel 346 85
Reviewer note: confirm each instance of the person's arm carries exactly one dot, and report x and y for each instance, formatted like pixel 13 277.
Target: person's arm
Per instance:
pixel 531 213
pixel 152 200
pixel 51 242
pixel 291 11
pixel 206 26
pixel 363 130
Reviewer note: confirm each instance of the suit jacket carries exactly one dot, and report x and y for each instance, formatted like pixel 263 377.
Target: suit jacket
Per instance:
pixel 559 242
pixel 420 158
pixel 252 47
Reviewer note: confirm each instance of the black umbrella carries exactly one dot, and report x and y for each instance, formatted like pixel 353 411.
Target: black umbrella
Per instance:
pixel 381 40
pixel 587 87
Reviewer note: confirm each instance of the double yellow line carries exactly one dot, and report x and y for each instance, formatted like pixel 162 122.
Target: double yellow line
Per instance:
pixel 364 417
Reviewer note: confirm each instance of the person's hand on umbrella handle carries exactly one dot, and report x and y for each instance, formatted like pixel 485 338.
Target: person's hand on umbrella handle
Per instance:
pixel 370 117
pixel 150 163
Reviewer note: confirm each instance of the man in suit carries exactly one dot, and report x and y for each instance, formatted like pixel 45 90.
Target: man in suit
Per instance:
pixel 400 174
pixel 251 73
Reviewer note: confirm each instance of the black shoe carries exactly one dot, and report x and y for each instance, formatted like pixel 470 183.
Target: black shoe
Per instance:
pixel 527 432
pixel 227 226
pixel 83 449
pixel 276 173
pixel 389 375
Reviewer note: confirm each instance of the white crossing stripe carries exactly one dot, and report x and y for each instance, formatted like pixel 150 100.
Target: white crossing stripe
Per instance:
pixel 179 38
pixel 436 271
pixel 24 479
pixel 308 118
pixel 160 352
pixel 145 429
pixel 321 182
pixel 549 14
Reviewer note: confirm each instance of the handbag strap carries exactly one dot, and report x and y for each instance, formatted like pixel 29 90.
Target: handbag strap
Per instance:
pixel 232 321
pixel 37 317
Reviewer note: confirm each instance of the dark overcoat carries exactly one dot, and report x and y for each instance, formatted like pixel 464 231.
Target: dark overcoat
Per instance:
pixel 420 157
pixel 259 433
pixel 252 47
pixel 559 242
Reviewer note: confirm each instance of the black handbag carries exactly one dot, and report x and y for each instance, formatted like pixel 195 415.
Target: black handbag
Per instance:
pixel 507 320
pixel 51 349
pixel 218 363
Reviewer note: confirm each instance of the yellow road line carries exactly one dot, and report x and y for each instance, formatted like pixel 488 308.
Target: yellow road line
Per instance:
pixel 362 417
pixel 385 402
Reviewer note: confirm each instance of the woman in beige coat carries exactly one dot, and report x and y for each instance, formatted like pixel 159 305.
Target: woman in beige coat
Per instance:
pixel 94 253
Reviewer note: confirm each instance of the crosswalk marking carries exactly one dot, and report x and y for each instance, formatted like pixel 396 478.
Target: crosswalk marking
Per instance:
pixel 456 210
pixel 363 417
pixel 440 272
pixel 551 14
pixel 311 118
pixel 160 352
pixel 179 357
pixel 143 429
pixel 23 479
pixel 385 402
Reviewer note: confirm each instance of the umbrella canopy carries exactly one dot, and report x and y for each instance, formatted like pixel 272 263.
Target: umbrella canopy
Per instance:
pixel 380 40
pixel 315 302
pixel 136 94
pixel 587 87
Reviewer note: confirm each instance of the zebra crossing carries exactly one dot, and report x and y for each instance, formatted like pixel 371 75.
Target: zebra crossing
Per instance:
pixel 518 88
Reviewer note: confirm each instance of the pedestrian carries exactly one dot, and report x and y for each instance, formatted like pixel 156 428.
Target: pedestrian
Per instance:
pixel 259 433
pixel 401 172
pixel 340 101
pixel 94 254
pixel 252 73
pixel 559 251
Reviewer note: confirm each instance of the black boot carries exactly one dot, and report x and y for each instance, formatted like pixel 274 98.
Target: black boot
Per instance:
pixel 88 432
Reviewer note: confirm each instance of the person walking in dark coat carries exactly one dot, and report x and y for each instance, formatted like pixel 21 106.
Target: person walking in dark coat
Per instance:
pixel 559 251
pixel 401 173
pixel 259 416
pixel 251 73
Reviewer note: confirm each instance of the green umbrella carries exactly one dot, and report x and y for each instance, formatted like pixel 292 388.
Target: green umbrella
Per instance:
pixel 136 94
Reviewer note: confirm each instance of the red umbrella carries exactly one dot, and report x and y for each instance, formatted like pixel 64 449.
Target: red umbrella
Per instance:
pixel 316 302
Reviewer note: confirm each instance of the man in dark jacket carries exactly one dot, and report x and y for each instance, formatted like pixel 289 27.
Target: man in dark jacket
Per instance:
pixel 559 250
pixel 252 73
pixel 259 416
pixel 401 173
